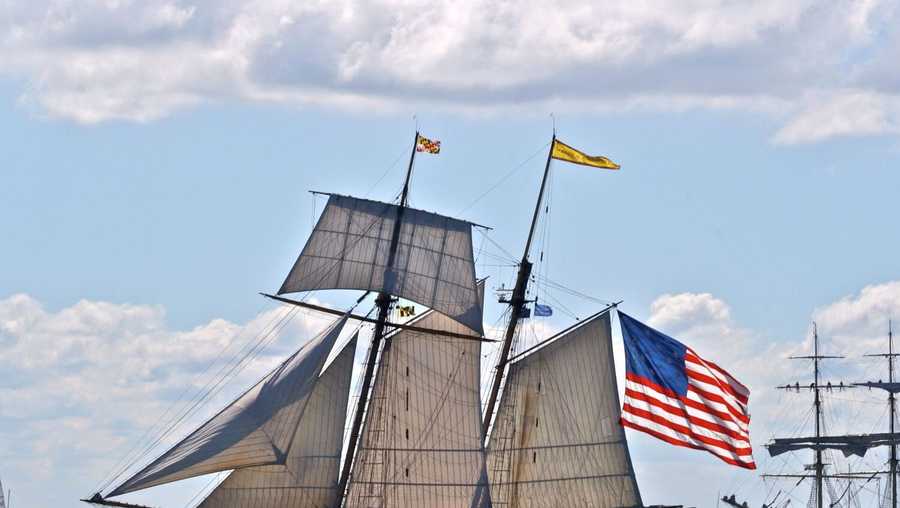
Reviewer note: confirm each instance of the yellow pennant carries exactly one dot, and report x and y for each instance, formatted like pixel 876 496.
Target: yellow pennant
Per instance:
pixel 564 152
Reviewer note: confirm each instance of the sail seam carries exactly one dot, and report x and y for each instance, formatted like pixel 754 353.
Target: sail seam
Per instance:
pixel 460 450
pixel 344 247
pixel 565 479
pixel 440 264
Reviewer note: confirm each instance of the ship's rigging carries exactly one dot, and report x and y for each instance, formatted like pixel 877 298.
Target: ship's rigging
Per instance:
pixel 841 487
pixel 549 431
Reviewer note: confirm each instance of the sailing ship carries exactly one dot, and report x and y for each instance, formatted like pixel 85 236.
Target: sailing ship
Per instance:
pixel 841 488
pixel 419 435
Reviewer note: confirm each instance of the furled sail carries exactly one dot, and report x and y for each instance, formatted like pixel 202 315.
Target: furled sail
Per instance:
pixel 888 387
pixel 308 478
pixel 556 439
pixel 422 442
pixel 853 444
pixel 256 429
pixel 349 249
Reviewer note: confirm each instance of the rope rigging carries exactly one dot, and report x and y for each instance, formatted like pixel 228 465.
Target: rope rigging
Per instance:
pixel 230 369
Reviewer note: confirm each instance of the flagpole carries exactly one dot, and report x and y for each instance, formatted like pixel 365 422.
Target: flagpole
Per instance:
pixel 383 301
pixel 517 300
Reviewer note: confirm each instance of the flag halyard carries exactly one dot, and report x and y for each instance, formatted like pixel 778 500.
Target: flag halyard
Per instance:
pixel 678 397
pixel 564 152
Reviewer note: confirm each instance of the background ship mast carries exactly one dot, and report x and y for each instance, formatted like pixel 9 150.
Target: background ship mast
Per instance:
pixel 4 501
pixel 815 387
pixel 891 387
pixel 848 444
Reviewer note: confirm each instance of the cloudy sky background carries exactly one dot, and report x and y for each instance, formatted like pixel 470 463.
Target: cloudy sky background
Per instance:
pixel 156 157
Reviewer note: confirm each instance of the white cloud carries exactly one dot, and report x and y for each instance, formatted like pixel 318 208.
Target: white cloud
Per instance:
pixel 82 384
pixel 704 323
pixel 858 324
pixel 688 311
pixel 103 60
pixel 847 113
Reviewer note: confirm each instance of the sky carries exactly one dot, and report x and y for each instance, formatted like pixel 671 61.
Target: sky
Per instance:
pixel 157 157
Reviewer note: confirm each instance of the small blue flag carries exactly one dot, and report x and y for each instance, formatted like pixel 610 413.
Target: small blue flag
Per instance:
pixel 542 310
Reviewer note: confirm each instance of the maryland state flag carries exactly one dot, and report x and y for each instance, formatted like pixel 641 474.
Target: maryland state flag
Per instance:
pixel 564 152
pixel 406 310
pixel 424 144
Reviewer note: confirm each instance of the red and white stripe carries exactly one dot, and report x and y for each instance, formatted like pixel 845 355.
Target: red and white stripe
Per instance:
pixel 712 416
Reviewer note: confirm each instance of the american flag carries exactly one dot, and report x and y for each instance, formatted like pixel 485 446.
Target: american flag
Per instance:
pixel 675 395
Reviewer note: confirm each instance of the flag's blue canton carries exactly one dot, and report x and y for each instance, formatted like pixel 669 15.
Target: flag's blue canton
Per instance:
pixel 654 356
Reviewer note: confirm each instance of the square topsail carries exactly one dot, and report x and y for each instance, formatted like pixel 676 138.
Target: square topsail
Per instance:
pixel 350 245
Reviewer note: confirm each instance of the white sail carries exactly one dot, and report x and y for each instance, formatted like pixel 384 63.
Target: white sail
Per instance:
pixel 421 445
pixel 557 440
pixel 308 478
pixel 433 264
pixel 256 429
pixel 2 496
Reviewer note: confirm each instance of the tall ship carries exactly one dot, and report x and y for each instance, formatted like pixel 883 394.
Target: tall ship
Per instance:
pixel 545 432
pixel 830 473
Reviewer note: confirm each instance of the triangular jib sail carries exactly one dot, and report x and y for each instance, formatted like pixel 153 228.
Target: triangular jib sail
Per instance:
pixel 308 478
pixel 256 429
pixel 557 440
pixel 350 246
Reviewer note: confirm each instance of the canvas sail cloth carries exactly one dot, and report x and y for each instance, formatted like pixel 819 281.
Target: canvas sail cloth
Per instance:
pixel 556 439
pixel 421 444
pixel 349 248
pixel 308 478
pixel 256 429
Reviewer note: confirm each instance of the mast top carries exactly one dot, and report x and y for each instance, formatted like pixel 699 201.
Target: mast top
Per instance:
pixel 540 199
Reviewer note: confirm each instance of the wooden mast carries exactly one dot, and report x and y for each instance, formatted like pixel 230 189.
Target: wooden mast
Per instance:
pixel 818 405
pixel 383 301
pixel 816 386
pixel 516 302
pixel 893 405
